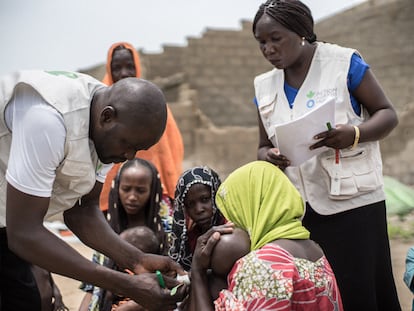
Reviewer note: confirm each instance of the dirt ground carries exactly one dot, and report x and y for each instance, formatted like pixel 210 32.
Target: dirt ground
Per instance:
pixel 72 295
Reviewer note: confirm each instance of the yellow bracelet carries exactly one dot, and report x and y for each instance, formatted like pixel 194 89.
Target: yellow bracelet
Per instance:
pixel 356 139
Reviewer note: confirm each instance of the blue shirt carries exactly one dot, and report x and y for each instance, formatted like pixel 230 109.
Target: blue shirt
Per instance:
pixel 356 73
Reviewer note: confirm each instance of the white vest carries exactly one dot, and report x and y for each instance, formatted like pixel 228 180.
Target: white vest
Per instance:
pixel 361 180
pixel 71 94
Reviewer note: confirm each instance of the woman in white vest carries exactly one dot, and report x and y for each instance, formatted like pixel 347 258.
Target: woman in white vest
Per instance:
pixel 342 184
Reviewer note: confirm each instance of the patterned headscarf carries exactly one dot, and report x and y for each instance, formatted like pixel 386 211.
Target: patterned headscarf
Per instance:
pixel 259 198
pixel 117 216
pixel 180 250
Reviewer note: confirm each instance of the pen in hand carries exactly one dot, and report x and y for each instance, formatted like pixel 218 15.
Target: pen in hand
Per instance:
pixel 161 282
pixel 160 279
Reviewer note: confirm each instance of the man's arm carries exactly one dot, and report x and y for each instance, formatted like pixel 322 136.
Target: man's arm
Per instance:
pixel 86 220
pixel 29 239
pixel 88 223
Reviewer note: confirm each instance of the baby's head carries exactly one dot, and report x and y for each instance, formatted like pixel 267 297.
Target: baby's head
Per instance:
pixel 142 238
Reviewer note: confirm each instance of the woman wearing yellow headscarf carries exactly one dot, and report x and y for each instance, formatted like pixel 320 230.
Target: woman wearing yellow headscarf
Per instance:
pixel 284 269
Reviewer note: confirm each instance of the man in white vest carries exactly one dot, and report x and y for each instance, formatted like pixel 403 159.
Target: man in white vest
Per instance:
pixel 57 129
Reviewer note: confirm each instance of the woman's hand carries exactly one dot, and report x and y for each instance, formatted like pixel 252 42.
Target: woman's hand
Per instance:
pixel 273 156
pixel 338 138
pixel 146 291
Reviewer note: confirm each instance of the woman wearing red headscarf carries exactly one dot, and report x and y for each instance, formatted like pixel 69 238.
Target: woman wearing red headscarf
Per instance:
pixel 167 155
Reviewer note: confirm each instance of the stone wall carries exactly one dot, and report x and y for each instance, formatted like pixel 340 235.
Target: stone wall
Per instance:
pixel 212 99
pixel 221 66
pixel 223 148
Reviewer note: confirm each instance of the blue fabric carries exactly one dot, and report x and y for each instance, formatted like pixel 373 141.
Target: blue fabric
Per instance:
pixel 356 73
pixel 409 271
pixel 291 93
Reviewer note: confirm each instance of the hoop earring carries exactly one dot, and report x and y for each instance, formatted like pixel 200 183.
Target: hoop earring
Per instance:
pixel 303 41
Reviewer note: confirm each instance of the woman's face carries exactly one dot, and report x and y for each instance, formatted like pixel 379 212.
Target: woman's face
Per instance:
pixel 198 205
pixel 122 65
pixel 280 46
pixel 134 189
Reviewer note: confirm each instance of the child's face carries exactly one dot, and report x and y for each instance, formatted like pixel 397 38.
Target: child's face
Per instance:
pixel 198 205
pixel 135 189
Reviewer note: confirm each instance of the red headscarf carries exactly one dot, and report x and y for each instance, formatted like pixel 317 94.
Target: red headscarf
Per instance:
pixel 108 75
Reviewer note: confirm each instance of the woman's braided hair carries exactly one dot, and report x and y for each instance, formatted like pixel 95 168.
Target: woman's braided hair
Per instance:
pixel 292 14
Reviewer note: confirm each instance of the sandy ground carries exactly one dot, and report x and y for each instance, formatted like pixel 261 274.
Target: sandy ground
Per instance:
pixel 72 295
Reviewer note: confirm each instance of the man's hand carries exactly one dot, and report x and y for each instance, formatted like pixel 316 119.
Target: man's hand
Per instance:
pixel 146 291
pixel 151 263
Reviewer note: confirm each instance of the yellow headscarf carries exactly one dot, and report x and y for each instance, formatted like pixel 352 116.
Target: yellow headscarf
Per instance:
pixel 259 198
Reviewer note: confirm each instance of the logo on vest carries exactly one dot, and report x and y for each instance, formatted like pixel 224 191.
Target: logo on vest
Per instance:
pixel 311 102
pixel 319 96
pixel 67 74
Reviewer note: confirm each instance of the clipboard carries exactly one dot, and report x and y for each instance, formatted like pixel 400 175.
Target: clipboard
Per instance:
pixel 295 137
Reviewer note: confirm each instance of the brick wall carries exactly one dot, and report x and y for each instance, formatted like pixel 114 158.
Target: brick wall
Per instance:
pixel 221 66
pixel 214 108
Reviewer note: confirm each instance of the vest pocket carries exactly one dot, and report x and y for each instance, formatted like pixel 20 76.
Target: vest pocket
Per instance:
pixel 357 174
pixel 266 112
pixel 266 109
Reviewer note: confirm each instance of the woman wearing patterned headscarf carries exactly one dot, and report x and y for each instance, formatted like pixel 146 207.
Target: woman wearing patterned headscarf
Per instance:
pixel 194 211
pixel 284 269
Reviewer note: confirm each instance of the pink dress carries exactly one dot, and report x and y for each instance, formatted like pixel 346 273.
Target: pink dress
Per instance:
pixel 272 279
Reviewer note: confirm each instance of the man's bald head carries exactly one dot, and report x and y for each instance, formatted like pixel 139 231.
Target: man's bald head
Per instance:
pixel 139 99
pixel 128 116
